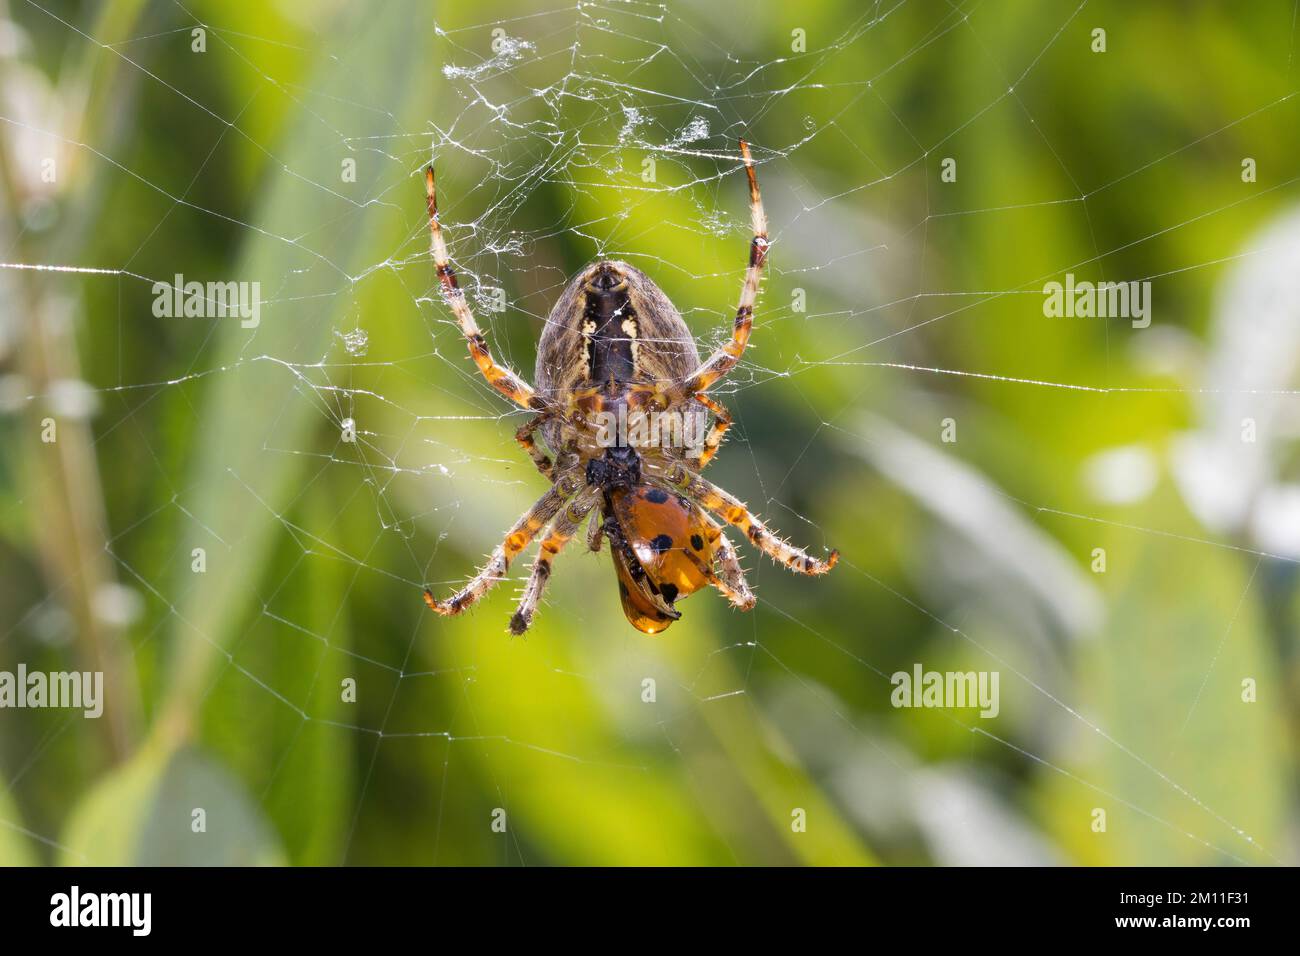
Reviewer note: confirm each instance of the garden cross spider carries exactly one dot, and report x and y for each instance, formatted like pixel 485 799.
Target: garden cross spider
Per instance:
pixel 614 346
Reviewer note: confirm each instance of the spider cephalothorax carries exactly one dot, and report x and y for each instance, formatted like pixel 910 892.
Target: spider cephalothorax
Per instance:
pixel 619 386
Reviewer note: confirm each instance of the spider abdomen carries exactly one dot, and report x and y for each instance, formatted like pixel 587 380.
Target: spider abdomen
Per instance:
pixel 611 340
pixel 586 342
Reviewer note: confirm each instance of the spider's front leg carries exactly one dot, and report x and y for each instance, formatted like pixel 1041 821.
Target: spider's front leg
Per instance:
pixel 728 356
pixel 516 539
pixel 498 376
pixel 565 527
pixel 726 506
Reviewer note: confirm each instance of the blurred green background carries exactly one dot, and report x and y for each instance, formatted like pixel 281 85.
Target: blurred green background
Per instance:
pixel 899 309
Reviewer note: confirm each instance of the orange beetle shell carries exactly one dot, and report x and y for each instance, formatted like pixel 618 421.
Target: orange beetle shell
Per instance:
pixel 671 542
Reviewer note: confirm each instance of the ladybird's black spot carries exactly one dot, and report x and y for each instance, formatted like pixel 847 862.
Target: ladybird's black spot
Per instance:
pixel 661 543
pixel 697 542
pixel 656 496
pixel 669 592
pixel 661 616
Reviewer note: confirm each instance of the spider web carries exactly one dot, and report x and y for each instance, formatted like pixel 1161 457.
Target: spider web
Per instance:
pixel 608 130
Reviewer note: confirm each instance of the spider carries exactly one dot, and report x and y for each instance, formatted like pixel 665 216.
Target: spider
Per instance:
pixel 615 345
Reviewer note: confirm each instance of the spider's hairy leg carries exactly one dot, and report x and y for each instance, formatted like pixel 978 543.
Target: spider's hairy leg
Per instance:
pixel 595 531
pixel 722 420
pixel 726 506
pixel 730 579
pixel 726 358
pixel 498 376
pixel 562 530
pixel 517 538
pixel 525 438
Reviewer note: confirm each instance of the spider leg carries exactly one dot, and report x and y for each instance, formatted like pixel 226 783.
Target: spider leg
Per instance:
pixel 525 438
pixel 498 376
pixel 595 531
pixel 517 538
pixel 722 420
pixel 562 530
pixel 730 579
pixel 725 358
pixel 726 506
